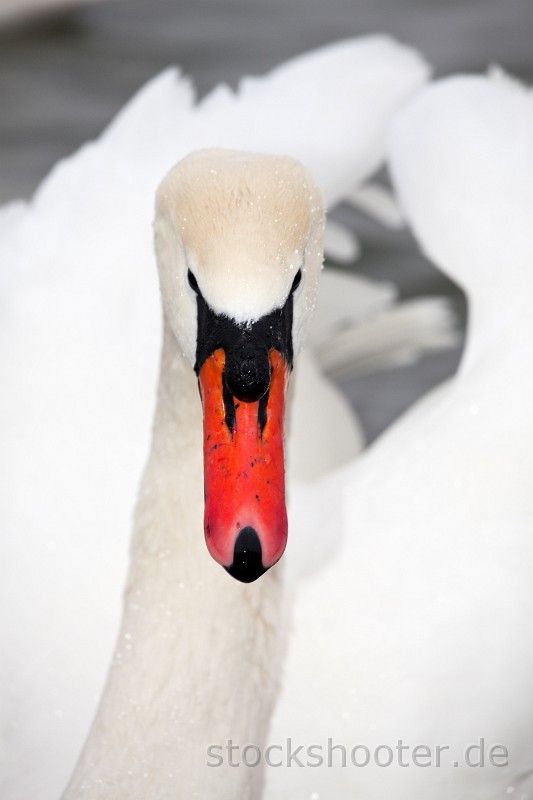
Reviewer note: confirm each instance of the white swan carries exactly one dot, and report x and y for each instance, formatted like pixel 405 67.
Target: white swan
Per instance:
pixel 242 230
pixel 79 346
pixel 239 241
pixel 418 633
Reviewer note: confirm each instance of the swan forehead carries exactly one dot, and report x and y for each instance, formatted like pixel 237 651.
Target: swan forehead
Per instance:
pixel 244 221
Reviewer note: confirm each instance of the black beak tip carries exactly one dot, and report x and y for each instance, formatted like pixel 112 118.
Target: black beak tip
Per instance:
pixel 247 563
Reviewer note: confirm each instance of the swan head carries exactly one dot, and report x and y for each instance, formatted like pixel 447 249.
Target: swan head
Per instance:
pixel 239 243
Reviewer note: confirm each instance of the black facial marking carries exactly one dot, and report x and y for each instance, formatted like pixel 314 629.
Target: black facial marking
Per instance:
pixel 193 283
pixel 296 282
pixel 246 346
pixel 262 412
pixel 229 407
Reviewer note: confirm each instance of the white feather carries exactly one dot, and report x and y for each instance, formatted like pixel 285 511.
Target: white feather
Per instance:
pixel 79 347
pixel 340 243
pixel 379 202
pixel 418 631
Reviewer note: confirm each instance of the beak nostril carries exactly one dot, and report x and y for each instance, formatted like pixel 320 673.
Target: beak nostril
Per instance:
pixel 247 563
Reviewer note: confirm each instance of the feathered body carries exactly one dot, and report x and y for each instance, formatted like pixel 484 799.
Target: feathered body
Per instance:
pixel 79 346
pixel 423 618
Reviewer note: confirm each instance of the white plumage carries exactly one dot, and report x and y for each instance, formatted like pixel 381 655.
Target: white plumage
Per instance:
pixel 418 632
pixel 79 344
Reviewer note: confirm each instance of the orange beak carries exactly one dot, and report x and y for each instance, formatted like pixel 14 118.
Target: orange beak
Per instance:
pixel 245 518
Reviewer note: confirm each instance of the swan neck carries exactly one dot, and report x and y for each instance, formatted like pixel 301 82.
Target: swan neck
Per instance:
pixel 197 655
pixel 178 416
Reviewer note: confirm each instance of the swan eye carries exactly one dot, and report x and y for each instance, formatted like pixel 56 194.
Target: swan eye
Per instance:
pixel 193 283
pixel 296 282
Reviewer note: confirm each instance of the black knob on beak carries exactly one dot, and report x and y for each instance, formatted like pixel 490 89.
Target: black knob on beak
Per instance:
pixel 247 372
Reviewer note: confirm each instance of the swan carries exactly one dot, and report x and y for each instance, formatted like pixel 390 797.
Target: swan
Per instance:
pixel 238 237
pixel 79 345
pixel 239 245
pixel 423 616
